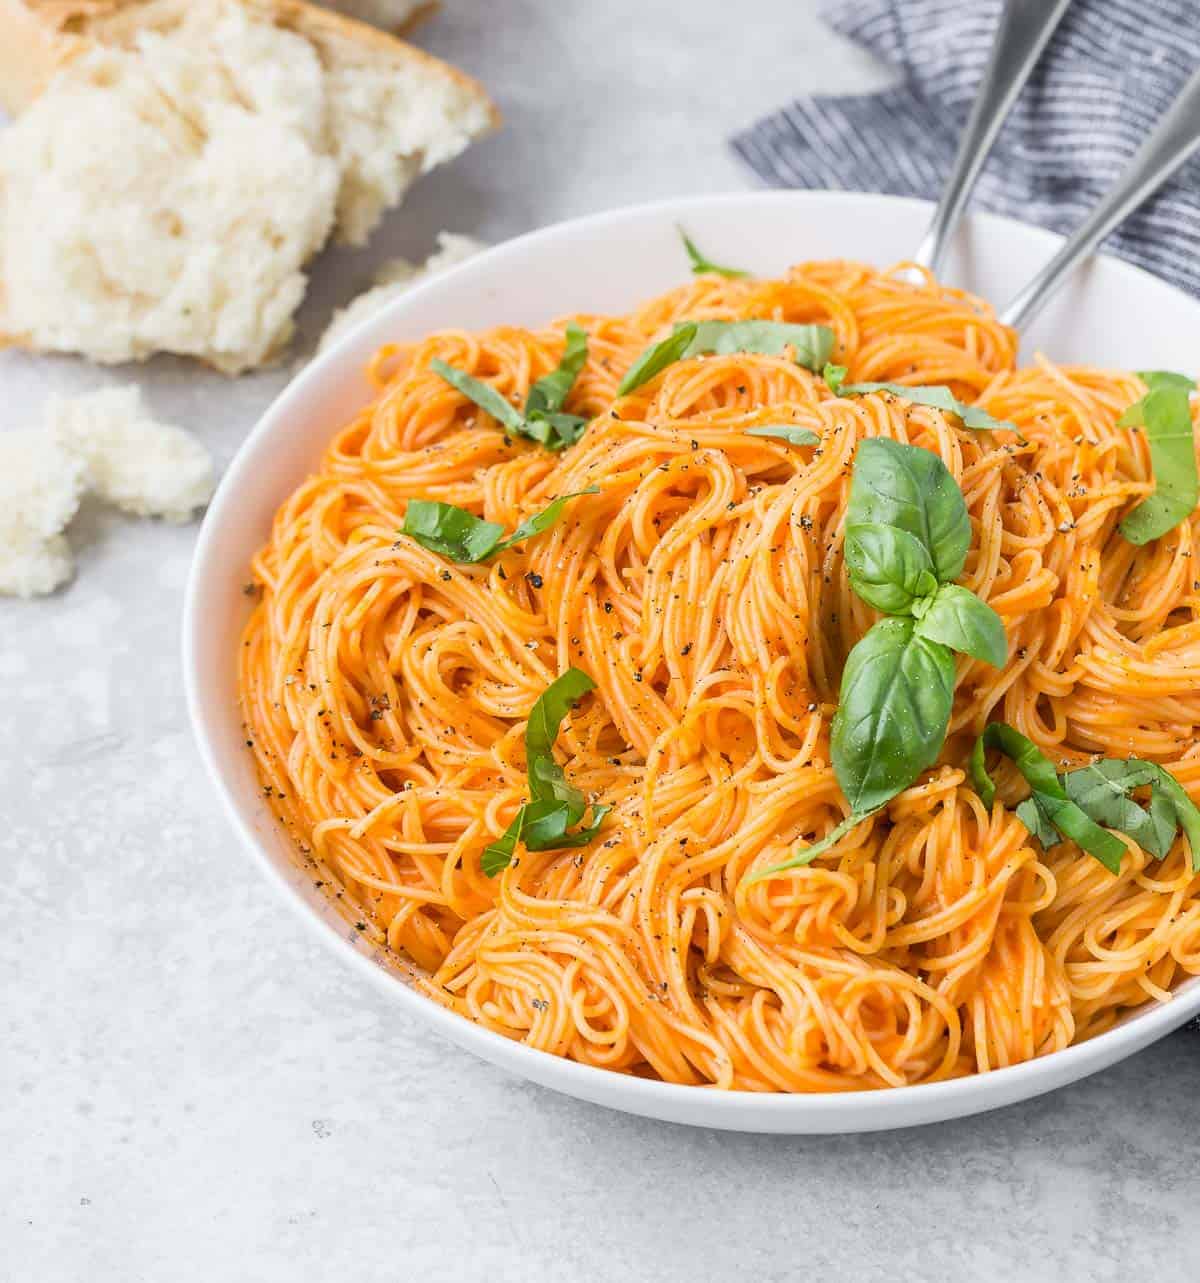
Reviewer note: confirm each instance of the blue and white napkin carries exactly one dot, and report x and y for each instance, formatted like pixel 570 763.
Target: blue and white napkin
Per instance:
pixel 1110 70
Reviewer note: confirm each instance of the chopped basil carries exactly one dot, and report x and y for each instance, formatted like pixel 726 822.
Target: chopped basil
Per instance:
pixel 554 805
pixel 939 397
pixel 785 432
pixel 1165 413
pixel 834 376
pixel 701 265
pixel 1084 804
pixel 812 345
pixel 483 394
pixel 463 537
pixel 543 419
pixel 657 357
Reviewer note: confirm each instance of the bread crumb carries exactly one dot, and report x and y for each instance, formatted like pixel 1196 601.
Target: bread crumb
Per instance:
pixel 104 442
pixel 396 276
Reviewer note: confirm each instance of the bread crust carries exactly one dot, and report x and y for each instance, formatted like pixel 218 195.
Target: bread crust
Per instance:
pixel 37 37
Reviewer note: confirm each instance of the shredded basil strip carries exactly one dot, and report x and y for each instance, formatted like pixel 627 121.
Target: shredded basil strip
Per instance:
pixel 463 537
pixel 1165 414
pixel 940 398
pixel 543 419
pixel 812 345
pixel 785 432
pixel 701 264
pixel 1084 804
pixel 554 804
pixel 835 377
pixel 657 357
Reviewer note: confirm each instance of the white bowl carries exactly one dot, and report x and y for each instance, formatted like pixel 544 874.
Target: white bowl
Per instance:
pixel 1111 314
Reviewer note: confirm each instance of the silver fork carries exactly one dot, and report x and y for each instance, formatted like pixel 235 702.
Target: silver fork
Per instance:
pixel 1021 34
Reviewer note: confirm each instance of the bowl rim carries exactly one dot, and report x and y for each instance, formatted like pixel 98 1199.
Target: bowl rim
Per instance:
pixel 702 1105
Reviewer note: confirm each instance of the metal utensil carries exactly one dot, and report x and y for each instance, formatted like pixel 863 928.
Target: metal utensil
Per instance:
pixel 1173 140
pixel 1024 28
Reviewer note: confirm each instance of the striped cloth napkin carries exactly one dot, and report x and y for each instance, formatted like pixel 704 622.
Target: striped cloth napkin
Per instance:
pixel 1111 69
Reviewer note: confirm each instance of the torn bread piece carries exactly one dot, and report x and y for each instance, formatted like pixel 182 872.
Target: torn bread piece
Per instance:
pixel 183 163
pixel 105 443
pixel 396 276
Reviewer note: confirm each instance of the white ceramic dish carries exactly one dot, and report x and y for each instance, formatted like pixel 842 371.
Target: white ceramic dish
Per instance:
pixel 1112 314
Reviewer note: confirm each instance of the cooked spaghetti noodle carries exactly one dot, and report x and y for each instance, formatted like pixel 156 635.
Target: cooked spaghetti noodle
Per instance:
pixel 385 692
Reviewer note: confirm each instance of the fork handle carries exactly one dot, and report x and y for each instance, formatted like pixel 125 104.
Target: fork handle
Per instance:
pixel 1173 140
pixel 1024 28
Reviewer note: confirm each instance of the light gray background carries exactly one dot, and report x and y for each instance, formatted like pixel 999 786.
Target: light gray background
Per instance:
pixel 191 1089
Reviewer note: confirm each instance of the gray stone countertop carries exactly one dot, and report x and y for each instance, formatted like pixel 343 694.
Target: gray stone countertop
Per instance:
pixel 192 1089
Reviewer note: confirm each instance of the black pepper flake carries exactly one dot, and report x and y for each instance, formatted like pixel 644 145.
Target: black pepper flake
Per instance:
pixel 539 1004
pixel 534 578
pixel 446 575
pixel 608 607
pixel 250 589
pixel 687 650
pixel 360 926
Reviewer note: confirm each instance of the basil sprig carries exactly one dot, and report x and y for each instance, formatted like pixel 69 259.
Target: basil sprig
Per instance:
pixel 1084 804
pixel 938 396
pixel 907 535
pixel 1165 413
pixel 554 805
pixel 701 264
pixel 463 537
pixel 812 344
pixel 543 419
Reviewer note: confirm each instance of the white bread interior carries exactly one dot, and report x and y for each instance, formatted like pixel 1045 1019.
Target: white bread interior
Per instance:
pixel 181 162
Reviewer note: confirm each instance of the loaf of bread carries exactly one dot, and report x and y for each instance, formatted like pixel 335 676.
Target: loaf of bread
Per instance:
pixel 177 163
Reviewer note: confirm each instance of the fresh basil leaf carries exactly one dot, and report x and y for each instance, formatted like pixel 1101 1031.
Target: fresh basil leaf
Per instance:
pixel 1102 790
pixel 835 376
pixel 957 618
pixel 896 695
pixel 700 264
pixel 449 531
pixel 657 357
pixel 483 394
pixel 812 344
pixel 550 392
pixel 889 568
pixel 554 805
pixel 911 489
pixel 461 536
pixel 806 855
pixel 1155 379
pixel 940 398
pixel 786 432
pixel 1053 806
pixel 1165 413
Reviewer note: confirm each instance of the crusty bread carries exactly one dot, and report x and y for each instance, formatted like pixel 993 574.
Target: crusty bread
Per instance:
pixel 180 162
pixel 392 15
